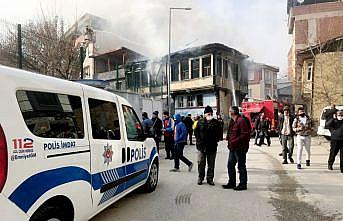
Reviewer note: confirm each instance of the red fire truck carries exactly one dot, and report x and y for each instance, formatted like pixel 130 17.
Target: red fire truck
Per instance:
pixel 252 109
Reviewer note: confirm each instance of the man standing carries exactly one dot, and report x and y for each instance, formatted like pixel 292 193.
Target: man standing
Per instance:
pixel 331 112
pixel 263 127
pixel 147 123
pixel 180 137
pixel 336 128
pixel 238 137
pixel 287 135
pixel 207 133
pixel 157 128
pixel 302 125
pixel 168 129
pixel 189 126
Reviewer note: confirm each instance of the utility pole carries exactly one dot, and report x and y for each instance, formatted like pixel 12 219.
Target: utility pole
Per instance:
pixel 19 48
pixel 82 57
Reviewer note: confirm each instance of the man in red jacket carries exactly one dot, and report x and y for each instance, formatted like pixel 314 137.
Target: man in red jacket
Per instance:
pixel 238 138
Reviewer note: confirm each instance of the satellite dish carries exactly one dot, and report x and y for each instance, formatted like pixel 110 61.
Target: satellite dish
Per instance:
pixel 301 1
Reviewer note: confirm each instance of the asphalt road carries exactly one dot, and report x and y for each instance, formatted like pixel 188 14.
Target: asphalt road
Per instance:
pixel 275 191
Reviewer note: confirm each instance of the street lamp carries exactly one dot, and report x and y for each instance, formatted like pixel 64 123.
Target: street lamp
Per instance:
pixel 168 61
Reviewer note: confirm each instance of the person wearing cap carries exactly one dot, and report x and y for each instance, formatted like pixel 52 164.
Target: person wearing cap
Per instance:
pixel 157 128
pixel 180 137
pixel 335 125
pixel 208 133
pixel 287 135
pixel 189 126
pixel 168 132
pixel 303 126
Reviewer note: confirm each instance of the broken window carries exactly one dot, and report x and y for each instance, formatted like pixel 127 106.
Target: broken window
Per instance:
pixel 180 101
pixel 309 71
pixel 219 68
pixel 225 69
pixel 191 101
pixel 195 68
pixel 184 70
pixel 206 66
pixel 174 71
pixel 200 101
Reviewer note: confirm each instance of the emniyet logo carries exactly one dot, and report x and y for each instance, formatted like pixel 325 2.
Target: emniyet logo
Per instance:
pixel 22 149
pixel 108 153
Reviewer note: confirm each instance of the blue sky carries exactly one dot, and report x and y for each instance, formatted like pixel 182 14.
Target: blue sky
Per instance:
pixel 257 28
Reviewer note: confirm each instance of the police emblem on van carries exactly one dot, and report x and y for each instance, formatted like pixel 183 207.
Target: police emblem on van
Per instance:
pixel 108 153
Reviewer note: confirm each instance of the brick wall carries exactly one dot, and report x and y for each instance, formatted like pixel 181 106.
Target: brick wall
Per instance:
pixel 300 31
pixel 329 27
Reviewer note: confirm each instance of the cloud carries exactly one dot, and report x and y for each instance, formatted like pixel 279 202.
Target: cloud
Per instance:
pixel 256 28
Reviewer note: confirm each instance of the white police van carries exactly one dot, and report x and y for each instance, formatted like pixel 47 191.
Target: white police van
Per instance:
pixel 67 151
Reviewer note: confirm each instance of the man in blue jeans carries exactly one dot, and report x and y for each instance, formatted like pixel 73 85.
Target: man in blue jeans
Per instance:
pixel 180 139
pixel 238 138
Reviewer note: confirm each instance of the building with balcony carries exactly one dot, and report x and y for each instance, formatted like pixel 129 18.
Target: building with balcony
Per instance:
pixel 262 80
pixel 207 75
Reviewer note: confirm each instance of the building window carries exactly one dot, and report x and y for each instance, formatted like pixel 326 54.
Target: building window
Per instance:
pixel 309 71
pixel 250 93
pixel 268 92
pixel 251 76
pixel 184 70
pixel 191 101
pixel 195 68
pixel 206 66
pixel 174 71
pixel 219 67
pixel 200 101
pixel 180 101
pixel 225 69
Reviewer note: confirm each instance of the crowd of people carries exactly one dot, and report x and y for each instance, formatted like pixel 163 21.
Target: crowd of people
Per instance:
pixel 208 131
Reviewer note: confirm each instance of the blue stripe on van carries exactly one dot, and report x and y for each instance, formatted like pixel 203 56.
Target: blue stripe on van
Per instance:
pixel 29 191
pixel 35 186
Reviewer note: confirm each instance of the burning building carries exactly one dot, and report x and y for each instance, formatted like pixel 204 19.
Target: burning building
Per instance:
pixel 207 75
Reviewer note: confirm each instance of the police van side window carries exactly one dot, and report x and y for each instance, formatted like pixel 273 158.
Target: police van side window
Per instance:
pixel 52 115
pixel 104 119
pixel 133 126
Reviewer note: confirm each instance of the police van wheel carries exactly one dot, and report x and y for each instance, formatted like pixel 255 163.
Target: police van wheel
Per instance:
pixel 49 214
pixel 152 181
pixel 55 209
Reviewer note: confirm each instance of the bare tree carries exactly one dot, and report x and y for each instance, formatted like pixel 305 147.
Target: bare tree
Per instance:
pixel 46 48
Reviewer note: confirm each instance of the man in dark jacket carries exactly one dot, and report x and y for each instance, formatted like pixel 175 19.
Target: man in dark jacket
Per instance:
pixel 330 112
pixel 335 125
pixel 263 127
pixel 189 126
pixel 287 135
pixel 207 133
pixel 238 138
pixel 157 128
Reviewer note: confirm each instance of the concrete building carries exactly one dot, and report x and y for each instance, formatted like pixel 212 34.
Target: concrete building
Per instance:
pixel 262 80
pixel 207 75
pixel 322 75
pixel 311 23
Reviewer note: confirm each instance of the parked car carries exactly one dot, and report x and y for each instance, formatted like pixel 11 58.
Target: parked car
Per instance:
pixel 322 120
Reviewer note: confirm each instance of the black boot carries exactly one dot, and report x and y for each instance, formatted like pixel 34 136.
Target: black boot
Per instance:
pixel 308 163
pixel 330 167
